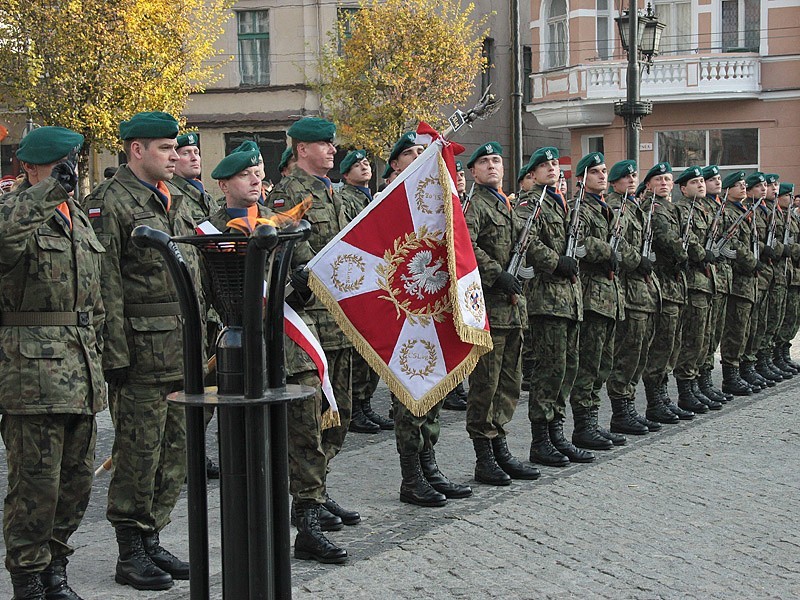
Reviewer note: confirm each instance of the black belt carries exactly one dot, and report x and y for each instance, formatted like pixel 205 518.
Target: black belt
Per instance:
pixel 160 309
pixel 45 319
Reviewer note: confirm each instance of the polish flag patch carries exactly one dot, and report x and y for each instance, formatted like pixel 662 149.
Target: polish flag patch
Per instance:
pixel 94 213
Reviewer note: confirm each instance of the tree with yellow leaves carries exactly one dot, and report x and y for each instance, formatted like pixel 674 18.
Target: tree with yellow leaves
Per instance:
pixel 395 62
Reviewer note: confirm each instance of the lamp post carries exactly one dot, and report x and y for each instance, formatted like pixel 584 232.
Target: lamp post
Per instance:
pixel 640 36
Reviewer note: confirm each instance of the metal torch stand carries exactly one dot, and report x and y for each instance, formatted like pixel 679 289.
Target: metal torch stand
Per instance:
pixel 252 427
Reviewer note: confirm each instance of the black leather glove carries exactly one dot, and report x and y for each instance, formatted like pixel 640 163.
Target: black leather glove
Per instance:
pixel 64 173
pixel 566 267
pixel 299 279
pixel 787 250
pixel 116 377
pixel 613 262
pixel 768 252
pixel 710 259
pixel 506 282
pixel 645 266
pixel 761 266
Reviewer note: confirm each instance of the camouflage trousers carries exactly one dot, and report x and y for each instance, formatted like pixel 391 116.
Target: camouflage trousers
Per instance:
pixel 775 315
pixel 695 335
pixel 149 455
pixel 791 317
pixel 555 364
pixel 365 380
pixel 340 371
pixel 595 360
pixel 737 327
pixel 716 323
pixel 494 385
pixel 758 325
pixel 308 465
pixel 414 434
pixel 632 339
pixel 50 462
pixel 663 352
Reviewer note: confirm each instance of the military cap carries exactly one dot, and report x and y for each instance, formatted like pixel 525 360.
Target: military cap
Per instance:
pixel 771 177
pixel 639 188
pixel 621 169
pixel 407 140
pixel 149 125
pixel 285 158
pixel 188 139
pixel 732 179
pixel 710 171
pixel 587 162
pixel 523 171
pixel 234 163
pixel 46 145
pixel 387 172
pixel 661 168
pixel 754 179
pixel 543 155
pixel 350 159
pixel 312 129
pixel 785 188
pixel 487 149
pixel 459 166
pixel 690 173
pixel 246 146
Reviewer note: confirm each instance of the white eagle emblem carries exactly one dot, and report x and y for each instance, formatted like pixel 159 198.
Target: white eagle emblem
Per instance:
pixel 425 277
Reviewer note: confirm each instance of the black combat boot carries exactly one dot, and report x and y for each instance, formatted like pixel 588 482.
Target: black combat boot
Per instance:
pixel 615 438
pixel 348 517
pixel 732 383
pixel 775 368
pixel 787 356
pixel 134 566
pixel 651 425
pixel 706 384
pixel 663 394
pixel 27 586
pixel 437 479
pixel 310 543
pixel 779 360
pixel 486 468
pixel 585 434
pixel 415 489
pixel 747 371
pixel 163 558
pixel 563 445
pixel 702 398
pixel 622 421
pixel 686 398
pixel 763 369
pixel 327 521
pixel 454 401
pixel 382 422
pixel 656 410
pixel 54 580
pixel 212 470
pixel 511 465
pixel 542 450
pixel 359 423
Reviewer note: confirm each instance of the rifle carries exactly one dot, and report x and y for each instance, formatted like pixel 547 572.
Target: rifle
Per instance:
pixel 468 199
pixel 575 224
pixel 713 231
pixel 787 239
pixel 721 244
pixel 647 241
pixel 521 246
pixel 688 229
pixel 616 231
pixel 773 226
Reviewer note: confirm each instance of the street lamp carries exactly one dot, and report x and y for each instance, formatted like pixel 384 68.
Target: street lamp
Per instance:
pixel 646 30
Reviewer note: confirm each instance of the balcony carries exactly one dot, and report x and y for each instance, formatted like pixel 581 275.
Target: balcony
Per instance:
pixel 583 96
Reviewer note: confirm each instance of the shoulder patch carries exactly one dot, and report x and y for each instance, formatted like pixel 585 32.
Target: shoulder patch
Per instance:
pixel 278 202
pixel 94 213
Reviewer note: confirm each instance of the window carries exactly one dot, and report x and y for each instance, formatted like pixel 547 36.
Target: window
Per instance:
pixel 527 71
pixel 677 16
pixel 488 55
pixel 556 40
pixel 731 149
pixel 345 18
pixel 741 24
pixel 253 30
pixel 604 23
pixel 595 143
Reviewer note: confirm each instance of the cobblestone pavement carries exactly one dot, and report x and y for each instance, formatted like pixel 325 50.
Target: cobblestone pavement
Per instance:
pixel 702 509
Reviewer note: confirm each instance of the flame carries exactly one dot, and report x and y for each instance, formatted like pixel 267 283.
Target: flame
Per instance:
pixel 278 220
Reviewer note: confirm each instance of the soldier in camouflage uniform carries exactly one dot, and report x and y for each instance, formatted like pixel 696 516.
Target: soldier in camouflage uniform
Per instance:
pixel 356 172
pixel 143 357
pixel 287 162
pixel 554 314
pixel 526 182
pixel 791 317
pixel 494 384
pixel 51 380
pixel 240 182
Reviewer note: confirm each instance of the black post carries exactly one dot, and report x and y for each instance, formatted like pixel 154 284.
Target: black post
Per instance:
pixel 633 121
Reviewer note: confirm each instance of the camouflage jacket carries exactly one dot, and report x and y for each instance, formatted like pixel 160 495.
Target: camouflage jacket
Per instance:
pixel 743 283
pixel 353 201
pixel 200 204
pixel 327 218
pixel 641 293
pixel 792 267
pixel 601 292
pixel 493 230
pixel 767 274
pixel 46 268
pixel 670 255
pixel 723 273
pixel 143 321
pixel 550 294
pixel 699 275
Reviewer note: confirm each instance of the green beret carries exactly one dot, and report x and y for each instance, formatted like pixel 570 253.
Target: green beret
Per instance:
pixel 407 140
pixel 639 189
pixel 522 172
pixel 785 188
pixel 772 177
pixel 543 155
pixel 587 162
pixel 621 169
pixel 188 139
pixel 488 149
pixel 459 166
pixel 312 129
pixel 661 168
pixel 710 171
pixel 690 173
pixel 754 179
pixel 45 145
pixel 350 159
pixel 234 163
pixel 149 125
pixel 732 179
pixel 285 158
pixel 387 172
pixel 247 146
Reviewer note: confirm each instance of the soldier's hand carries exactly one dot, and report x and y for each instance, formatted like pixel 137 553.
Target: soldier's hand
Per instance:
pixel 710 258
pixel 761 266
pixel 787 251
pixel 566 267
pixel 299 279
pixel 64 173
pixel 506 282
pixel 613 262
pixel 768 252
pixel 116 377
pixel 645 266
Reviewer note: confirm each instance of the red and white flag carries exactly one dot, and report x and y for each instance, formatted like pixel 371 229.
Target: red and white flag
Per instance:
pixel 402 282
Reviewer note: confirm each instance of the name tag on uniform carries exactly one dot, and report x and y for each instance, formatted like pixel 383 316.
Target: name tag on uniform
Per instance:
pixel 148 214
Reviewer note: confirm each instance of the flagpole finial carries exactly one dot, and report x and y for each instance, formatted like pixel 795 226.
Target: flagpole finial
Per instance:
pixel 485 108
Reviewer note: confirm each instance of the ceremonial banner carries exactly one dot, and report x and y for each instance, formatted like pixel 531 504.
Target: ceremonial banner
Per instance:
pixel 402 282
